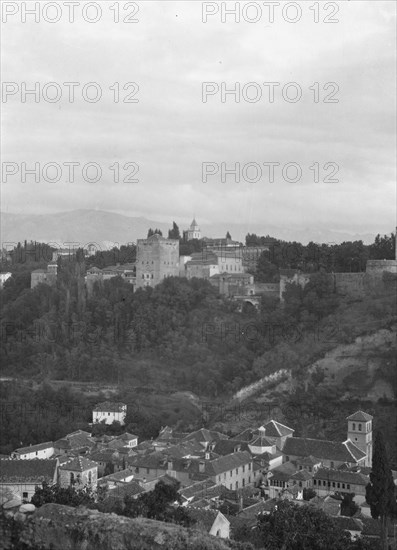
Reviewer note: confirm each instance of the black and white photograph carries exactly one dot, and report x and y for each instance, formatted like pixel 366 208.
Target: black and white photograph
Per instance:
pixel 198 275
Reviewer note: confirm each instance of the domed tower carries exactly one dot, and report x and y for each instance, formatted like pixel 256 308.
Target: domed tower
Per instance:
pixel 194 231
pixel 359 431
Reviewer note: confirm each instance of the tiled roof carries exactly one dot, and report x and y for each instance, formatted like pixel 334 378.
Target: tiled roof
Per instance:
pixel 202 517
pixel 275 429
pixel 246 435
pixel 34 448
pixel 185 448
pixel 227 446
pixel 27 471
pixel 157 460
pixel 127 436
pixel 79 464
pixel 323 449
pixel 75 440
pixel 302 475
pixel 197 488
pixel 283 472
pixel 110 406
pixel 259 507
pixel 360 416
pixel 104 455
pixel 205 435
pixel 354 478
pixel 227 462
pixel 131 488
pixel 261 441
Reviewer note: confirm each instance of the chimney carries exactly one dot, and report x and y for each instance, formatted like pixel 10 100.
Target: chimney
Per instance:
pixel 169 464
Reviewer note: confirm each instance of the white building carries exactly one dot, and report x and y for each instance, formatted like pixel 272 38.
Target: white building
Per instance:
pixel 109 412
pixel 4 277
pixel 41 450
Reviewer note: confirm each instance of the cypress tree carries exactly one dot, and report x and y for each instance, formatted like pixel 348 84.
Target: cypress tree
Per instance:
pixel 379 492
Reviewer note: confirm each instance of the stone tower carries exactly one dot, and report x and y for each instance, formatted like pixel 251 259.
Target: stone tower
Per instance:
pixel 156 259
pixel 359 431
pixel 194 231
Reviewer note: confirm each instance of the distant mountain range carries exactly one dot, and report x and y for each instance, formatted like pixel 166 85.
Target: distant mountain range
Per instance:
pixel 107 228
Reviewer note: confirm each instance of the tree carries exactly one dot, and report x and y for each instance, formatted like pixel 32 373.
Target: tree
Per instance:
pixel 266 272
pixel 69 496
pixel 380 491
pixel 293 527
pixel 174 232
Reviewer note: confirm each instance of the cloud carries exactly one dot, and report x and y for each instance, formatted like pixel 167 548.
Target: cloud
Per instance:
pixel 171 132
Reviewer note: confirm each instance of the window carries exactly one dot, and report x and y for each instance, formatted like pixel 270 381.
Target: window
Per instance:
pixel 36 453
pixel 231 473
pixel 25 495
pixel 236 485
pixel 333 484
pixel 236 471
pixel 314 482
pixel 287 458
pixel 338 485
pixel 343 485
pixel 224 475
pixel 332 464
pixel 148 470
pixel 243 482
pixel 354 426
pixel 348 486
pixel 71 478
pixel 359 427
pixel 243 468
pixel 249 479
pixel 89 478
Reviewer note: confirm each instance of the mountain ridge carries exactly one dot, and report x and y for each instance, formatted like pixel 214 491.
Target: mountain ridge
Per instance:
pixel 107 228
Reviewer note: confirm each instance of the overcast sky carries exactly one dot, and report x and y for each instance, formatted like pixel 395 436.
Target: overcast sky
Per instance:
pixel 169 53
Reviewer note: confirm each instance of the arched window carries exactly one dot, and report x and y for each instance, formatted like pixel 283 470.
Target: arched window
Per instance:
pixel 71 478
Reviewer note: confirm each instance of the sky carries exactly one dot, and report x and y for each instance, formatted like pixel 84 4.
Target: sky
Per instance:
pixel 342 147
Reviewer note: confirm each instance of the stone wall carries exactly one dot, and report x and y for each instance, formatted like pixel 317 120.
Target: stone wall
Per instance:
pixel 59 527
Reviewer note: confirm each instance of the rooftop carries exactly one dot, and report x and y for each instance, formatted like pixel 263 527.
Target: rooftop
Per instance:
pixel 34 448
pixel 323 449
pixel 110 406
pixel 276 429
pixel 28 471
pixel 79 464
pixel 360 416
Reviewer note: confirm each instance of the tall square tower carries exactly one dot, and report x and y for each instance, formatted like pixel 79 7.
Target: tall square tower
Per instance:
pixel 359 431
pixel 156 259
